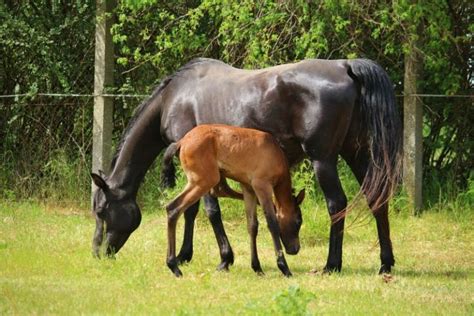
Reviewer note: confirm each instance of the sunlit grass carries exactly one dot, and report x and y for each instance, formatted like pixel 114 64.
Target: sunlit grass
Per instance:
pixel 46 267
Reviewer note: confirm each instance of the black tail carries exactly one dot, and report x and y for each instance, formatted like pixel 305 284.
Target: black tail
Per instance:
pixel 168 172
pixel 379 110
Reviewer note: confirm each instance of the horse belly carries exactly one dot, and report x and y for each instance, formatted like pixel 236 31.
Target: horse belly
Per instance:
pixel 241 177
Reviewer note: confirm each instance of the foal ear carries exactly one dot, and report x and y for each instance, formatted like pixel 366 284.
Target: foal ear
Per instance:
pixel 99 181
pixel 300 197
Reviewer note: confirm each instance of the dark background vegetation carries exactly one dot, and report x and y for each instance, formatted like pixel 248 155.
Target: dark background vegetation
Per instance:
pixel 47 46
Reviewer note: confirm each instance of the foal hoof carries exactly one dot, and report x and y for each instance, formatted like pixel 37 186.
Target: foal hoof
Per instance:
pixel 177 272
pixel 288 274
pixel 258 270
pixel 173 266
pixel 283 266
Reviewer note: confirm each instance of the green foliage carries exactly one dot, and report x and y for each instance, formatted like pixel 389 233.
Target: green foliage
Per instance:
pixel 293 301
pixel 46 47
pixel 249 34
pixel 60 182
pixel 49 48
pixel 44 42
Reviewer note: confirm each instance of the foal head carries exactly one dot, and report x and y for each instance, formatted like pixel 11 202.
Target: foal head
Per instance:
pixel 289 221
pixel 118 211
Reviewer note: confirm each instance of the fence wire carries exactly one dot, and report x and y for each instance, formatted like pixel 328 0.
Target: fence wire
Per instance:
pixel 46 137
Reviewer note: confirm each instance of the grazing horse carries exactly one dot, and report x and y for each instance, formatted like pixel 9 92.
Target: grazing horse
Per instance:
pixel 211 153
pixel 319 109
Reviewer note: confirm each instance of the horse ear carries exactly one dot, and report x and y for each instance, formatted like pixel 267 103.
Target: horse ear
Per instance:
pixel 99 181
pixel 300 197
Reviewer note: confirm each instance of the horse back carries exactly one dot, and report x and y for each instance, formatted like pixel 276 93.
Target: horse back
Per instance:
pixel 241 154
pixel 306 102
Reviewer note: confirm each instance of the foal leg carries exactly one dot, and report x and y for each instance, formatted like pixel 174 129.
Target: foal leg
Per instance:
pixel 264 193
pixel 213 212
pixel 250 201
pixel 188 197
pixel 326 173
pixel 186 252
pixel 359 165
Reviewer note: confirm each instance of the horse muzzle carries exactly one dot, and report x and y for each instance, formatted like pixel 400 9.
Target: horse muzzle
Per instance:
pixel 292 248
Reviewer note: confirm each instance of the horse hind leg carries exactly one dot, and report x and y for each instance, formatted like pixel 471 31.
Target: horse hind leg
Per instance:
pixel 359 165
pixel 326 173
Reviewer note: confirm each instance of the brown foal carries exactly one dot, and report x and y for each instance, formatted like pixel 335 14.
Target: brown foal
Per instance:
pixel 211 153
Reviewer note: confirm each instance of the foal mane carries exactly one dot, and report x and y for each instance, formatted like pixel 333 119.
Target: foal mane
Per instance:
pixel 141 108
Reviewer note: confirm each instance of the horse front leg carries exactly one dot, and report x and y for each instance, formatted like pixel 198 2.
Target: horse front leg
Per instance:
pixel 186 252
pixel 213 212
pixel 326 173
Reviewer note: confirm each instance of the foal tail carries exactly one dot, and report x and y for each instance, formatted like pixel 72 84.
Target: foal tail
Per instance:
pixel 379 112
pixel 168 171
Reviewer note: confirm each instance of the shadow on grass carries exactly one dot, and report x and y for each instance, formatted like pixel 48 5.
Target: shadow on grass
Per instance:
pixel 402 272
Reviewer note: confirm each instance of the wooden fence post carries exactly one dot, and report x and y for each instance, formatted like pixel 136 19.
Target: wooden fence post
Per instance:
pixel 412 129
pixel 103 77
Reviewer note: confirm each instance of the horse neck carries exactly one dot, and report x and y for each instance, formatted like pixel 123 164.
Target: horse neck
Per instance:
pixel 283 194
pixel 140 146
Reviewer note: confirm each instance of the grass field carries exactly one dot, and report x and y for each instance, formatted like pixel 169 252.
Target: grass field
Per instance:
pixel 46 268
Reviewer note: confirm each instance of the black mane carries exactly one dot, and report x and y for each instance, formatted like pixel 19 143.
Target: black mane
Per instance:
pixel 141 108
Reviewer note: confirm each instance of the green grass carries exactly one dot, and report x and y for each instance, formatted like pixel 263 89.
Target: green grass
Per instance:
pixel 46 268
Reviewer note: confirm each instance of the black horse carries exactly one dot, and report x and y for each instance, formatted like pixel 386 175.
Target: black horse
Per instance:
pixel 318 109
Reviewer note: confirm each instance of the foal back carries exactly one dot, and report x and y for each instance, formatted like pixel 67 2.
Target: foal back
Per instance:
pixel 241 154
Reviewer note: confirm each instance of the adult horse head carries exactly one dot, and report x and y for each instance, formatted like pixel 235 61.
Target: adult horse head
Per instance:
pixel 118 211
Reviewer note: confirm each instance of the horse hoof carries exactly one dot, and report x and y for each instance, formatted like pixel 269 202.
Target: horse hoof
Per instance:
pixel 228 258
pixel 223 266
pixel 331 269
pixel 259 271
pixel 177 272
pixel 385 269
